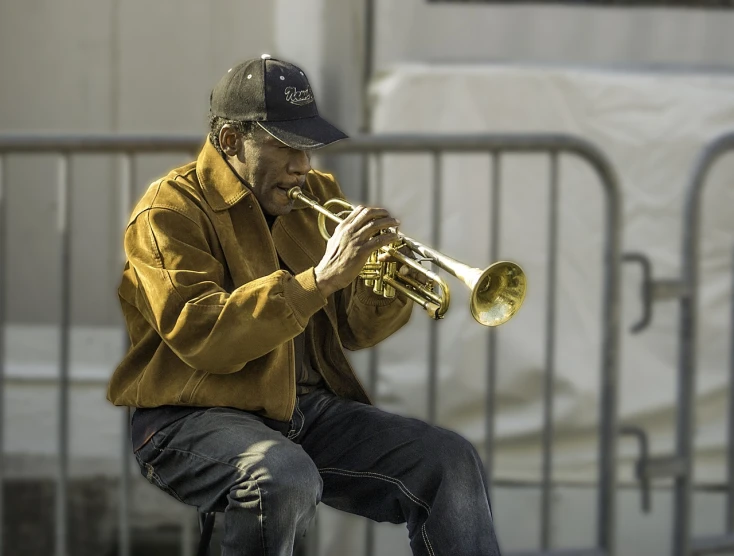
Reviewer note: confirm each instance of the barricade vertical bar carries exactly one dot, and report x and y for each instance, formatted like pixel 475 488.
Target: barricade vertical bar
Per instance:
pixel 433 329
pixel 3 266
pixel 377 201
pixel 374 352
pixel 687 341
pixel 730 462
pixel 187 536
pixel 126 192
pixel 492 332
pixel 314 539
pixel 608 426
pixel 369 549
pixel 550 346
pixel 682 491
pixel 64 200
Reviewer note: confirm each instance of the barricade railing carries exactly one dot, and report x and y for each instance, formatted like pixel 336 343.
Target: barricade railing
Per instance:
pixel 683 543
pixel 373 147
pixel 679 466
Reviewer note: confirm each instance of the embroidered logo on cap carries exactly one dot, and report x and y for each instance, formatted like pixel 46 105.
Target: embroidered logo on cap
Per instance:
pixel 299 98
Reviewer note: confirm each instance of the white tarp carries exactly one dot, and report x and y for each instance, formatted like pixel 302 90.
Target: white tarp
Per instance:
pixel 651 126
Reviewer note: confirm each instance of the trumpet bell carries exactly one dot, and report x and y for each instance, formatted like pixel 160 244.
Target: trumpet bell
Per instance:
pixel 497 293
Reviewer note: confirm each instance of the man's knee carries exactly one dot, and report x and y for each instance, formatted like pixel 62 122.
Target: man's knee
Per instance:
pixel 284 476
pixel 451 453
pixel 295 481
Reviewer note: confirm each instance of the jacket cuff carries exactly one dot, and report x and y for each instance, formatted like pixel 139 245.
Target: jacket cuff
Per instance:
pixel 303 296
pixel 366 296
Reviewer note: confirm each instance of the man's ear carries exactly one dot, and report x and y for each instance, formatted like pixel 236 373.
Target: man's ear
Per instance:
pixel 229 139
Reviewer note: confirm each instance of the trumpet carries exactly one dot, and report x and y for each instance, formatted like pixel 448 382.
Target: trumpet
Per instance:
pixel 497 292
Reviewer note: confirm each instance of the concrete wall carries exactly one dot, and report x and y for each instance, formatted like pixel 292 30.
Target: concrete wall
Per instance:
pixel 103 66
pixel 113 65
pixel 419 31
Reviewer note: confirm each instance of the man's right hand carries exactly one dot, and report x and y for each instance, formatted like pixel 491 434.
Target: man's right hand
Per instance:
pixel 350 246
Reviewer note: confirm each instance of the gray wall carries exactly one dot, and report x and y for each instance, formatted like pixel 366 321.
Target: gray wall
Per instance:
pixel 114 65
pixel 103 66
pixel 418 31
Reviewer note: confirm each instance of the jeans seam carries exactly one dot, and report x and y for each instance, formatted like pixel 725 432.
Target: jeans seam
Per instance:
pixel 202 457
pixel 293 421
pixel 405 490
pixel 387 478
pixel 259 492
pixel 428 544
pixel 262 517
pixel 303 419
pixel 292 434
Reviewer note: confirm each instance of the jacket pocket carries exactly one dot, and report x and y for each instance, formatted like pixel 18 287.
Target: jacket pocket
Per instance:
pixel 189 389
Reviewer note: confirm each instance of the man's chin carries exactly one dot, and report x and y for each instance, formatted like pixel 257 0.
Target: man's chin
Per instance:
pixel 276 209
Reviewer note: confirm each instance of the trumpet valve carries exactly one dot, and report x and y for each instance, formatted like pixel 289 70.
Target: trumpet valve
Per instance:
pixel 378 285
pixel 371 271
pixel 387 290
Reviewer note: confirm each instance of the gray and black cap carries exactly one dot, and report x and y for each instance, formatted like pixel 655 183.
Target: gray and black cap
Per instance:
pixel 277 96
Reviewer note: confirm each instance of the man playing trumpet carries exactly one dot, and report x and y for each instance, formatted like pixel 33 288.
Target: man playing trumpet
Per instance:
pixel 238 312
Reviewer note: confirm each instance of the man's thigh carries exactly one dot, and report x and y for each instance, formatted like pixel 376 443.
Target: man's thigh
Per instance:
pixel 378 464
pixel 201 457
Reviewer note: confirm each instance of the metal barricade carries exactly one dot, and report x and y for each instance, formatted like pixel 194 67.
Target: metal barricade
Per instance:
pixel 373 147
pixel 689 286
pixel 686 289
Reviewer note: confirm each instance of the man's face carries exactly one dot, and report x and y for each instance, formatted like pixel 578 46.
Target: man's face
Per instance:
pixel 270 168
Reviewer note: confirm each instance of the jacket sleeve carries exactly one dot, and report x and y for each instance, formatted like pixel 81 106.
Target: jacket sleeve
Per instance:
pixel 366 319
pixel 181 295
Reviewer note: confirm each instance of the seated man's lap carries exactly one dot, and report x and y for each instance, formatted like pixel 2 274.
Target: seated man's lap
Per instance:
pixel 373 462
pixel 201 458
pixel 344 430
pixel 348 451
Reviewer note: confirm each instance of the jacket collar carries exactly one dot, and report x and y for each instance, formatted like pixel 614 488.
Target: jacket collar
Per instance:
pixel 221 186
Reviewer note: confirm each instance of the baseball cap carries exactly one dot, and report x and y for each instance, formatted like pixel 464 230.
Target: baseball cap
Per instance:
pixel 276 95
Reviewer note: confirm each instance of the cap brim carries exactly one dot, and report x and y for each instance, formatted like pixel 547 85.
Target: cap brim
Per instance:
pixel 304 134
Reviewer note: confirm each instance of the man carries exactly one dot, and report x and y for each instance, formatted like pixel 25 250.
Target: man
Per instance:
pixel 238 312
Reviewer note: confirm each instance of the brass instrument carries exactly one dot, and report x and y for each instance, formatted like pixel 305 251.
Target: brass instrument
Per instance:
pixel 497 292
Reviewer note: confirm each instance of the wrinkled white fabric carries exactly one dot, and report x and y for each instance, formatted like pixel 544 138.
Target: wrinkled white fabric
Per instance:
pixel 651 127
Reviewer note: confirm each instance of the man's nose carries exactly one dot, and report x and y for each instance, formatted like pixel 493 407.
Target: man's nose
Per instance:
pixel 300 163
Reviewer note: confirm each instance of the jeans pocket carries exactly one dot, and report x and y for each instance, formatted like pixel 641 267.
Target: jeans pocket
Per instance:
pixel 149 472
pixel 144 457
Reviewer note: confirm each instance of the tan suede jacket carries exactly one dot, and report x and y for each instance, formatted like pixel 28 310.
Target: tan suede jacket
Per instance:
pixel 210 314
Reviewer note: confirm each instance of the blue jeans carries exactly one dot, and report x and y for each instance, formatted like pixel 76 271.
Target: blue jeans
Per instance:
pixel 267 476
